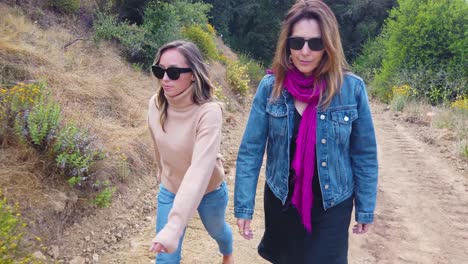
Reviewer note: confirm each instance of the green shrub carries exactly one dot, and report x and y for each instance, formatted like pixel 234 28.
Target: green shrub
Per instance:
pixel 131 37
pixel 104 198
pixel 203 39
pixel 255 69
pixel 238 78
pixel 66 6
pixel 76 151
pixel 426 39
pixel 12 235
pixel 40 125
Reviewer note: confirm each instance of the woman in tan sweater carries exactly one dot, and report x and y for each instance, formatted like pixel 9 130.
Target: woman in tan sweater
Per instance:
pixel 185 124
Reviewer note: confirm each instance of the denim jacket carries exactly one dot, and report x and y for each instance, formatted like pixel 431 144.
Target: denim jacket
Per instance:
pixel 346 149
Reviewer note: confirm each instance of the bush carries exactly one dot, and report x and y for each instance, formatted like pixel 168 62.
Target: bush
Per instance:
pixel 426 39
pixel 39 126
pixel 238 78
pixel 11 235
pixel 76 151
pixel 202 39
pixel 255 69
pixel 104 198
pixel 66 6
pixel 131 37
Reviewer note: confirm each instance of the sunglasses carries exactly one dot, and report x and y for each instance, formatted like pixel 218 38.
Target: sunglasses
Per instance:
pixel 297 43
pixel 172 72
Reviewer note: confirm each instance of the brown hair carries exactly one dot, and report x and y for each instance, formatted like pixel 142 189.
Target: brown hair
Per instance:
pixel 333 64
pixel 203 88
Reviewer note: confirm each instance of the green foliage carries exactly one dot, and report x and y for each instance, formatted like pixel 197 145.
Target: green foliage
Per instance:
pixel 255 69
pixel 162 22
pixel 369 62
pixel 66 6
pixel 359 21
pixel 203 39
pixel 131 37
pixel 76 151
pixel 12 235
pixel 103 198
pixel 41 124
pixel 238 78
pixel 426 41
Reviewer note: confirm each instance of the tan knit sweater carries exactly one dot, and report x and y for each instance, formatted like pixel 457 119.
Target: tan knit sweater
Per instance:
pixel 188 156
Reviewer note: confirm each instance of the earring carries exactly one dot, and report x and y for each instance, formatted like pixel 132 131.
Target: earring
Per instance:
pixel 290 59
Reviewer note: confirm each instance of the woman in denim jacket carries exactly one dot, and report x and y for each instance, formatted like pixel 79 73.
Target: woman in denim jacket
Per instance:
pixel 313 117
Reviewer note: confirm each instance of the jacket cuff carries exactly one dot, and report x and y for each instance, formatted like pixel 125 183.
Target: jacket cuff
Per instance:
pixel 364 218
pixel 243 213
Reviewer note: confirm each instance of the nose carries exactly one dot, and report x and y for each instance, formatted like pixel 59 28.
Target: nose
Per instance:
pixel 305 49
pixel 165 77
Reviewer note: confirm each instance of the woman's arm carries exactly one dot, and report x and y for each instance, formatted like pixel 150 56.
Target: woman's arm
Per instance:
pixel 251 150
pixel 363 149
pixel 196 179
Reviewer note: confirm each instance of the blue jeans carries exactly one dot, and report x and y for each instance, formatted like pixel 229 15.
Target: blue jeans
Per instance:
pixel 212 211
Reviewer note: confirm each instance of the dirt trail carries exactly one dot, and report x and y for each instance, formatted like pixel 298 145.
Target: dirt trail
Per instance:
pixel 421 214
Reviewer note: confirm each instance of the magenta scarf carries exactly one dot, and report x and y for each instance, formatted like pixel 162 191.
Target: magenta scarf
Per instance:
pixel 304 89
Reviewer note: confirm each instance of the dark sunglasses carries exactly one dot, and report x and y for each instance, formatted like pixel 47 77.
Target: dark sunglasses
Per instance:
pixel 297 43
pixel 172 72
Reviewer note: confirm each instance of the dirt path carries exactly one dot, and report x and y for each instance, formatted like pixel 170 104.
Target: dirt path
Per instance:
pixel 421 214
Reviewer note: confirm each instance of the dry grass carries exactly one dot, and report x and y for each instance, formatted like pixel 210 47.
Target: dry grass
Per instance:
pixel 445 124
pixel 95 87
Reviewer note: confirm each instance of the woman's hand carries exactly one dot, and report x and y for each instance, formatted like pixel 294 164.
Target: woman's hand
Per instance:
pixel 157 247
pixel 360 228
pixel 244 228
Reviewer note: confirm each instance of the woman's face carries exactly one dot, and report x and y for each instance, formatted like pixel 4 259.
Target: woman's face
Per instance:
pixel 173 58
pixel 305 59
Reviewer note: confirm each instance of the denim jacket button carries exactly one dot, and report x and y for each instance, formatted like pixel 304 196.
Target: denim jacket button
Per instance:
pixel 346 119
pixel 324 164
pixel 323 141
pixel 322 117
pixel 326 186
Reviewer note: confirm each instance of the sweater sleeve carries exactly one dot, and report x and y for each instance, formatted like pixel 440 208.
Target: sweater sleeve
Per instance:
pixel 157 157
pixel 196 179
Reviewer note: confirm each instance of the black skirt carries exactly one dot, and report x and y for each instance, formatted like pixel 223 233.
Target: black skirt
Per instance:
pixel 286 241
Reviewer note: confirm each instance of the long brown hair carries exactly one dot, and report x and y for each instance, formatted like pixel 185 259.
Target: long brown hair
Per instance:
pixel 333 64
pixel 203 88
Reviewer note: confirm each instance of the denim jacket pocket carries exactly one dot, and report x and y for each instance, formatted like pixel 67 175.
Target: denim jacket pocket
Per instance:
pixel 342 124
pixel 278 119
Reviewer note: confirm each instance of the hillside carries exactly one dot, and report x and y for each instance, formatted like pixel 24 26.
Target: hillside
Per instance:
pixel 96 89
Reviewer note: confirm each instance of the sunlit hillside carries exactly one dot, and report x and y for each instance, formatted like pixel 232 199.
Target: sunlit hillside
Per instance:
pixel 97 90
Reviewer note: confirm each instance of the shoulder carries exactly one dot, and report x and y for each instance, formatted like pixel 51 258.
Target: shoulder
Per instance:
pixel 153 108
pixel 267 81
pixel 152 102
pixel 211 113
pixel 353 82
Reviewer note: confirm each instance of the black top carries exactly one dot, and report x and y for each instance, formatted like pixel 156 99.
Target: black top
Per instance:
pixel 315 181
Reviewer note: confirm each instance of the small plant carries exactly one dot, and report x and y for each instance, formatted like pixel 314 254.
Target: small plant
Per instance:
pixel 461 104
pixel 238 78
pixel 11 235
pixel 76 151
pixel 255 69
pixel 39 125
pixel 104 198
pixel 123 166
pixel 18 99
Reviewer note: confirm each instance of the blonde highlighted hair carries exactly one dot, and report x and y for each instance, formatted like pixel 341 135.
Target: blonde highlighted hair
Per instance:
pixel 333 63
pixel 203 87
